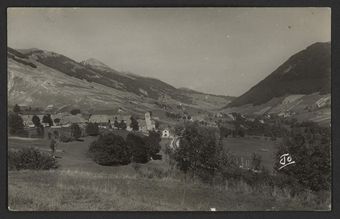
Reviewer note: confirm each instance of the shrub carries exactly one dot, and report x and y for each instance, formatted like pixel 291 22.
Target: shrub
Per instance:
pixel 310 148
pixel 30 158
pixel 16 124
pixel 153 143
pixel 109 150
pixel 92 129
pixel 64 138
pixel 256 161
pixel 116 124
pixel 75 131
pixel 122 125
pixel 40 131
pixel 56 120
pixel 139 150
pixel 75 111
pixel 16 108
pixel 134 124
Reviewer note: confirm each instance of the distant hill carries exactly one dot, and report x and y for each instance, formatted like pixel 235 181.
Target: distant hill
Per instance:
pixel 40 78
pixel 306 72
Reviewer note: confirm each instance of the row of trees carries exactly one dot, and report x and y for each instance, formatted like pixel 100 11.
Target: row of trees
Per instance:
pixel 201 154
pixel 111 149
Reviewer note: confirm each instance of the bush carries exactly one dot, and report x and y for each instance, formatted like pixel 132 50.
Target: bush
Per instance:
pixel 122 125
pixel 139 150
pixel 75 131
pixel 30 158
pixel 256 161
pixel 153 143
pixel 109 150
pixel 16 108
pixel 64 138
pixel 40 131
pixel 310 148
pixel 92 129
pixel 75 111
pixel 56 120
pixel 16 124
pixel 134 124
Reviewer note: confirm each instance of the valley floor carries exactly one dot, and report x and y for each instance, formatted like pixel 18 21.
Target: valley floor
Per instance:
pixel 80 184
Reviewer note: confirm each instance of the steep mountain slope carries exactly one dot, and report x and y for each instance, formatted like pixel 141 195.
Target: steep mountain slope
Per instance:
pixel 34 84
pixel 307 72
pixel 40 78
pixel 95 71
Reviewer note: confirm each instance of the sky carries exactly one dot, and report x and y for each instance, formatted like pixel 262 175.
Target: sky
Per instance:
pixel 215 50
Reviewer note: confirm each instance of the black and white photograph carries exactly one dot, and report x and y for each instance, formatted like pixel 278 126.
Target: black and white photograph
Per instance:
pixel 169 109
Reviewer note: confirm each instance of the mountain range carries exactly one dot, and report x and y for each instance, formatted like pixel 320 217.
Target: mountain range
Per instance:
pixel 301 85
pixel 44 78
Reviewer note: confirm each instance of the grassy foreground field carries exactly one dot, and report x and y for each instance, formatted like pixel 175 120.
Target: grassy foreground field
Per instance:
pixel 80 184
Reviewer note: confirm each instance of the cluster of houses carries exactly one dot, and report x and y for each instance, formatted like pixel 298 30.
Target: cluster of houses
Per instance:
pixel 61 120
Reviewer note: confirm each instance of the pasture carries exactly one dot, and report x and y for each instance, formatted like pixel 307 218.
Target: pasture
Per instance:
pixel 80 184
pixel 245 147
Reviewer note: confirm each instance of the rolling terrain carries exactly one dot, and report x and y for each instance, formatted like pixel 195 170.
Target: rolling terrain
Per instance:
pixel 40 78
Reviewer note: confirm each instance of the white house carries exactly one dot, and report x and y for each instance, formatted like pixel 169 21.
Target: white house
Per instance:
pixel 165 133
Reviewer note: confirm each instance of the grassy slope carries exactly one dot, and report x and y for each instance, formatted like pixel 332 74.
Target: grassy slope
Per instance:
pixel 80 184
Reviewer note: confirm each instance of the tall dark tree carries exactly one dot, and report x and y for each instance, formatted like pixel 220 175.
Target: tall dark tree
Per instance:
pixel 15 124
pixel 122 125
pixel 134 124
pixel 36 120
pixel 116 123
pixel 75 131
pixel 153 142
pixel 157 124
pixel 16 108
pixel 47 119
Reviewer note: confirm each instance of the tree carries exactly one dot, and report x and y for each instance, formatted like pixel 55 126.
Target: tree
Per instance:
pixel 92 129
pixel 116 123
pixel 197 151
pixel 157 124
pixel 15 123
pixel 36 121
pixel 47 119
pixel 109 150
pixel 40 130
pixel 311 152
pixel 56 120
pixel 16 108
pixel 256 161
pixel 138 148
pixel 134 124
pixel 75 111
pixel 75 131
pixel 122 125
pixel 153 142
pixel 241 132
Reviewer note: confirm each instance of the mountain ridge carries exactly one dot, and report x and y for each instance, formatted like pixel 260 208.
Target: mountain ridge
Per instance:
pixel 64 81
pixel 305 72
